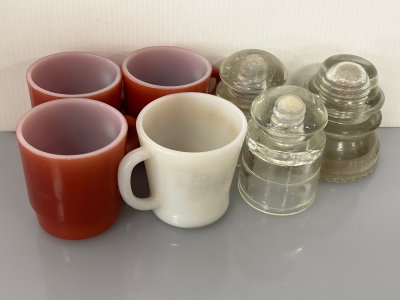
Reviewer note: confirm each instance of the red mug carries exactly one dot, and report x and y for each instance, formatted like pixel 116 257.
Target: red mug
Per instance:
pixel 153 72
pixel 75 75
pixel 70 151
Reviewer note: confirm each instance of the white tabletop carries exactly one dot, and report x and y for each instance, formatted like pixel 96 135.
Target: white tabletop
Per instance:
pixel 345 246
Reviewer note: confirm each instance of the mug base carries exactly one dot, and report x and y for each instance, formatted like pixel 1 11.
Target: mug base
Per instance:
pixel 191 224
pixel 78 231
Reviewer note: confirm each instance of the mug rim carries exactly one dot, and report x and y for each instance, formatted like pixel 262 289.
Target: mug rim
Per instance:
pixel 38 108
pixel 126 72
pixel 143 135
pixel 49 93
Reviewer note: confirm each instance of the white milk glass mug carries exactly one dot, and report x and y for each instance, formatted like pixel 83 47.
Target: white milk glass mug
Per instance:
pixel 190 143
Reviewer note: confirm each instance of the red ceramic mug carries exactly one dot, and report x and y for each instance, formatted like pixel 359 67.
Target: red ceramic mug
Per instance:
pixel 153 72
pixel 70 151
pixel 75 75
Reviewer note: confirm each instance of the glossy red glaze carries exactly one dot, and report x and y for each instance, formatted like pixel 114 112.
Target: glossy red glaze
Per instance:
pixel 153 72
pixel 72 180
pixel 75 75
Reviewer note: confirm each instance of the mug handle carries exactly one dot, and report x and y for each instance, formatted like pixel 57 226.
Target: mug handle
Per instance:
pixel 215 74
pixel 124 180
pixel 132 141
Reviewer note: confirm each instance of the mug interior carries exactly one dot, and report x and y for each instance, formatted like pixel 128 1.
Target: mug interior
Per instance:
pixel 65 127
pixel 167 66
pixel 191 122
pixel 73 73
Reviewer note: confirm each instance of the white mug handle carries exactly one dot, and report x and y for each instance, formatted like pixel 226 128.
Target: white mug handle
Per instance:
pixel 124 180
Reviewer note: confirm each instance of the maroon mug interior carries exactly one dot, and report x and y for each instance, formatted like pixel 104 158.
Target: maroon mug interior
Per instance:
pixel 73 73
pixel 167 66
pixel 71 126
